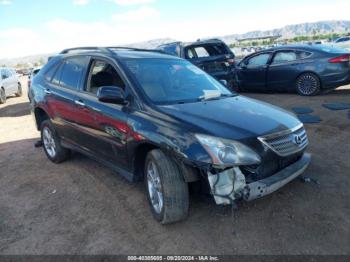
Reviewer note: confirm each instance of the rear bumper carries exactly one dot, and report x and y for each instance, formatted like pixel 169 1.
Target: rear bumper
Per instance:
pixel 334 81
pixel 271 184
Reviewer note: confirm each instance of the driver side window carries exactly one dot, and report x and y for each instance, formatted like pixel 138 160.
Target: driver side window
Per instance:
pixel 258 60
pixel 103 74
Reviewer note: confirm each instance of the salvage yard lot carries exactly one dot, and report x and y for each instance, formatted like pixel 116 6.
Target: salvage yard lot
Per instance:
pixel 81 207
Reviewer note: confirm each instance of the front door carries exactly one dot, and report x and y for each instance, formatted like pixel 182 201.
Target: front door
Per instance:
pixel 251 73
pixel 104 125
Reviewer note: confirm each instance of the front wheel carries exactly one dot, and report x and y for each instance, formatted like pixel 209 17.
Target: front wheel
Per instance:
pixel 308 84
pixel 2 96
pixel 167 191
pixel 19 90
pixel 51 143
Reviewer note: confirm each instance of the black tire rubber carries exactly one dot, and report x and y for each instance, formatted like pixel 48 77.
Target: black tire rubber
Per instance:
pixel 314 78
pixel 2 96
pixel 175 189
pixel 62 153
pixel 19 90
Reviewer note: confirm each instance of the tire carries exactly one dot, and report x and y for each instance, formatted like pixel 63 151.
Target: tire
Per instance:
pixel 168 185
pixel 51 143
pixel 308 84
pixel 19 90
pixel 2 96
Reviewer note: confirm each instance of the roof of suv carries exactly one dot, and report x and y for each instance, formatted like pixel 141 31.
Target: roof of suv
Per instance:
pixel 121 52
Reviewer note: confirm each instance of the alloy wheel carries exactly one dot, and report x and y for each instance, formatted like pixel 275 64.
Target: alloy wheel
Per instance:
pixel 307 84
pixel 49 142
pixel 154 187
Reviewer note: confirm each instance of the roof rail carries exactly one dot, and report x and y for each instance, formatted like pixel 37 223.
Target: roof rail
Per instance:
pixel 108 49
pixel 135 49
pixel 86 48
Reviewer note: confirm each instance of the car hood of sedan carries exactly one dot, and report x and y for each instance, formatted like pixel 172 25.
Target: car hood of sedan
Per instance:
pixel 236 117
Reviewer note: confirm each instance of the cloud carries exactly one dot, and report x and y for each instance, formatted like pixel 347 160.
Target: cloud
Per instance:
pixel 5 2
pixel 81 2
pixel 133 2
pixel 137 15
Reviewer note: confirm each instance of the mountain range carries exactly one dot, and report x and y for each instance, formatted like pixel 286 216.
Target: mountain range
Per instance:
pixel 289 31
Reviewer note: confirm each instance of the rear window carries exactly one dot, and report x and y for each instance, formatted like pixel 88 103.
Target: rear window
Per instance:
pixel 207 50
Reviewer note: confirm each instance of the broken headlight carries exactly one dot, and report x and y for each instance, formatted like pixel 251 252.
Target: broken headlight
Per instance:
pixel 225 152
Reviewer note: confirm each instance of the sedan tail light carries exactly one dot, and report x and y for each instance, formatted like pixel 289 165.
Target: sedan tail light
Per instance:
pixel 340 59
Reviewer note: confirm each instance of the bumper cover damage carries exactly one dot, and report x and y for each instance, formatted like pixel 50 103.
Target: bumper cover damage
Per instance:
pixel 231 185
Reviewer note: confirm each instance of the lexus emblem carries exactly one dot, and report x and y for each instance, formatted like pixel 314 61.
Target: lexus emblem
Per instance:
pixel 298 140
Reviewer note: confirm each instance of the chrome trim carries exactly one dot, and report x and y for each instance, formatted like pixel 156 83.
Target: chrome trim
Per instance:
pixel 304 144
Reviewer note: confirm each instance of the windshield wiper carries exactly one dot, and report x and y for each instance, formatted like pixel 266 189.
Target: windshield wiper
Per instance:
pixel 203 98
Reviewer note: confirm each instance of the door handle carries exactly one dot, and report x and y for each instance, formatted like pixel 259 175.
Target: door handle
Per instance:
pixel 47 91
pixel 79 103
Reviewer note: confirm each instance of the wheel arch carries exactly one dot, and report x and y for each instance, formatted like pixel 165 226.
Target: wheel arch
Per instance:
pixel 189 173
pixel 40 116
pixel 312 72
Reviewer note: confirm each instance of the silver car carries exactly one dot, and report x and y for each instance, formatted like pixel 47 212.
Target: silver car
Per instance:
pixel 9 84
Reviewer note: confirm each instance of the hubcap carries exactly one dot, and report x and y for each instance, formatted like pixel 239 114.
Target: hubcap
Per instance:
pixel 307 84
pixel 154 187
pixel 49 142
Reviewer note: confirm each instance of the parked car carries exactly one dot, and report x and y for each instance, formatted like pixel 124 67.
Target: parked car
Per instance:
pixel 9 84
pixel 158 118
pixel 305 69
pixel 343 42
pixel 213 56
pixel 34 72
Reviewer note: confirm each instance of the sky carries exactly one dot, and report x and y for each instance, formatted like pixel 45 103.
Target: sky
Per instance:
pixel 29 27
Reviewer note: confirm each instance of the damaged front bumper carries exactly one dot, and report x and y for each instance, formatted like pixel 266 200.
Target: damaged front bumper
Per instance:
pixel 230 185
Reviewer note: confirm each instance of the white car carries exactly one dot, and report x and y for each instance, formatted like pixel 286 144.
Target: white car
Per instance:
pixel 343 42
pixel 9 84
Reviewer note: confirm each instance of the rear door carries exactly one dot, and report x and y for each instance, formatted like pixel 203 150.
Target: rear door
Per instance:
pixel 252 72
pixel 285 68
pixel 61 95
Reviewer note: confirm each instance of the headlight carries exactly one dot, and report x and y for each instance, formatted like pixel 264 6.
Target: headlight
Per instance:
pixel 227 152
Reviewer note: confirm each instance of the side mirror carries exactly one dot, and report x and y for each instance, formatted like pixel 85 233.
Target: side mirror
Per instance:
pixel 112 95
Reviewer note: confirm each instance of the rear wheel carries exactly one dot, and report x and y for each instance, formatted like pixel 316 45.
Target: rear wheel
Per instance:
pixel 51 143
pixel 2 96
pixel 167 191
pixel 19 90
pixel 308 84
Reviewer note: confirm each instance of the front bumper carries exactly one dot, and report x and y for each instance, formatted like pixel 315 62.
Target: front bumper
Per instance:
pixel 271 184
pixel 231 184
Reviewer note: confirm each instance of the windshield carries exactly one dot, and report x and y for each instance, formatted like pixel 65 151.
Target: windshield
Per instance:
pixel 168 81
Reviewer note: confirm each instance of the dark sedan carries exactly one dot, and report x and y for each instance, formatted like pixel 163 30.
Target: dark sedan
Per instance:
pixel 305 69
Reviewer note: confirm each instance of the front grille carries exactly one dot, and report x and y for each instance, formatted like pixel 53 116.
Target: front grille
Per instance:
pixel 288 142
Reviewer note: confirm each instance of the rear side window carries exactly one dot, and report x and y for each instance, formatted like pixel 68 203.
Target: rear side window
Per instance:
pixel 57 76
pixel 50 73
pixel 72 71
pixel 284 57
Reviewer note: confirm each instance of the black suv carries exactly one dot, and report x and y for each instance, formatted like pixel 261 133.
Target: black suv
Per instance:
pixel 213 56
pixel 160 119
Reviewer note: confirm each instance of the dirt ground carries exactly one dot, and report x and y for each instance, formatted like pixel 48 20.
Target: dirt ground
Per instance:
pixel 81 207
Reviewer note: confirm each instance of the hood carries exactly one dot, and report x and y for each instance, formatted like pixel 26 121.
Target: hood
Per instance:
pixel 235 118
